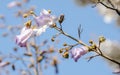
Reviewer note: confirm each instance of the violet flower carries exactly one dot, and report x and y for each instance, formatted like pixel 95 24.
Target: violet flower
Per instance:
pixel 24 36
pixel 43 21
pixel 26 33
pixel 78 52
pixel 45 18
pixel 40 30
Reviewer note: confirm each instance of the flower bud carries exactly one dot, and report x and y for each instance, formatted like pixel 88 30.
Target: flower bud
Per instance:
pixel 28 23
pixel 65 44
pixel 39 59
pixel 66 55
pixel 61 51
pixel 101 39
pixel 31 12
pixel 25 15
pixel 61 19
pixel 49 11
pixel 91 41
pixel 52 39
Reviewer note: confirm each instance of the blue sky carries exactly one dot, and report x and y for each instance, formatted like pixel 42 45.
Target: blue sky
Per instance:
pixel 92 24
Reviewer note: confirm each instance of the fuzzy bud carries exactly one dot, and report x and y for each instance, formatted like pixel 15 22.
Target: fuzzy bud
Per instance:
pixel 61 19
pixel 25 15
pixel 66 55
pixel 101 39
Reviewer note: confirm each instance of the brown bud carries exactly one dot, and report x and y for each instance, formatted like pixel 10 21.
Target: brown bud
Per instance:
pixel 61 51
pixel 25 15
pixel 64 44
pixel 53 25
pixel 31 12
pixel 91 41
pixel 54 62
pixel 52 39
pixel 28 23
pixel 66 55
pixel 49 11
pixel 67 48
pixel 61 18
pixel 39 59
pixel 101 39
pixel 94 46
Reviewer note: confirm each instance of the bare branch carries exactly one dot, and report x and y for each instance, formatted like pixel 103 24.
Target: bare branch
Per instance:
pixel 112 8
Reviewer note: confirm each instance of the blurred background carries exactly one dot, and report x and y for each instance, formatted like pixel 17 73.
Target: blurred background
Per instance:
pixel 92 22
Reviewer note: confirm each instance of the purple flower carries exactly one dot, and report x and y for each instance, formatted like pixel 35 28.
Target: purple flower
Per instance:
pixel 40 30
pixel 45 18
pixel 24 36
pixel 78 52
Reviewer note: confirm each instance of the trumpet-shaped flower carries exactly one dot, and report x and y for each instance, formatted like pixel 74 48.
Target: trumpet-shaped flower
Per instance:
pixel 26 33
pixel 24 36
pixel 45 18
pixel 78 52
pixel 43 21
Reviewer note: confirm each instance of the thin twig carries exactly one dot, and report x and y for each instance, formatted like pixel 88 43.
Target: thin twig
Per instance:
pixel 91 57
pixel 107 57
pixel 112 8
pixel 80 42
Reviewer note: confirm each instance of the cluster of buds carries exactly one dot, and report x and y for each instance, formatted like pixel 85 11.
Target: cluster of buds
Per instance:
pixel 65 51
pixel 93 46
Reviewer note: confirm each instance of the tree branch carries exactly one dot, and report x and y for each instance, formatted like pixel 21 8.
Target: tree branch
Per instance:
pixel 112 8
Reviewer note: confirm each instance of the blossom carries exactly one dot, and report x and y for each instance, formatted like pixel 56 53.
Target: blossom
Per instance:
pixel 78 52
pixel 25 34
pixel 13 4
pixel 43 21
pixel 112 50
pixel 40 30
pixel 45 18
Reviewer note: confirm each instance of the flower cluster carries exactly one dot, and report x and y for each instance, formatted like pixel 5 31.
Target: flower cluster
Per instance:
pixel 43 21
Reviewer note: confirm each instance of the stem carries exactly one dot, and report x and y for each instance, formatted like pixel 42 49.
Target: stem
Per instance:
pixel 37 70
pixel 101 54
pixel 79 41
pixel 112 8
